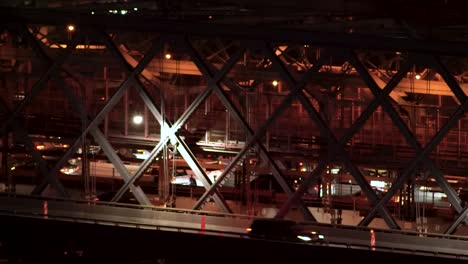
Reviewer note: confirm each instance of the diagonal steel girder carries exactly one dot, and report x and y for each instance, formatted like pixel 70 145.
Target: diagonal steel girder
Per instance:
pixel 163 140
pixel 172 129
pixel 107 107
pixel 333 142
pixel 454 226
pixel 206 71
pixel 410 138
pixel 106 146
pixel 197 169
pixel 349 133
pixel 261 131
pixel 440 179
pixel 52 68
pixel 109 151
pixel 37 157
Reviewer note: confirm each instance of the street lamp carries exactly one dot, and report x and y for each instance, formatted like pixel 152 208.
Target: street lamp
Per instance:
pixel 137 119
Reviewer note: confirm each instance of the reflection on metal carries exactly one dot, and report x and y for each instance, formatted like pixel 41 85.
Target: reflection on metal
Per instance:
pixel 106 147
pixel 199 172
pixel 171 133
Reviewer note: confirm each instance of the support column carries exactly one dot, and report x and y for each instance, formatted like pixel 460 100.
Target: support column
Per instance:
pixel 5 169
pixel 408 205
pixel 126 113
pixel 163 183
pixel 106 97
pixel 85 169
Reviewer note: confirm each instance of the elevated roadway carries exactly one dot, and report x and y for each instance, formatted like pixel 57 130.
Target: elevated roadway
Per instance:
pixel 196 223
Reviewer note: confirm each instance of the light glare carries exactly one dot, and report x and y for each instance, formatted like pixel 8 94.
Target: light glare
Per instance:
pixel 304 238
pixel 138 119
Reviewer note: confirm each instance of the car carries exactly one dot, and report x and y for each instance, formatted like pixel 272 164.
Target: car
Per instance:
pixel 312 236
pixel 272 228
pixel 281 229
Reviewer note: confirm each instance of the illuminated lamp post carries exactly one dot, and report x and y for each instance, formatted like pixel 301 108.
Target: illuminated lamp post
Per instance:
pixel 137 119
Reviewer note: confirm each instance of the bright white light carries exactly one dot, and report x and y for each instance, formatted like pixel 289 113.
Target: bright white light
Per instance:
pixel 304 238
pixel 71 28
pixel 321 236
pixel 135 9
pixel 92 12
pixel 378 184
pixel 334 171
pixel 417 76
pixel 123 11
pixel 137 119
pixel 275 83
pixel 168 56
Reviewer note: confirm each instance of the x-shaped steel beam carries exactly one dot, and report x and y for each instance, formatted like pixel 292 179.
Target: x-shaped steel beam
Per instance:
pixel 410 138
pixel 438 175
pixel 255 139
pixel 53 67
pixel 106 146
pixel 207 73
pixel 91 126
pixel 170 133
pixel 37 157
pixel 250 133
pixel 337 147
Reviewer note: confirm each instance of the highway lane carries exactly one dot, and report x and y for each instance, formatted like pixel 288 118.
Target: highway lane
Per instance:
pixel 214 223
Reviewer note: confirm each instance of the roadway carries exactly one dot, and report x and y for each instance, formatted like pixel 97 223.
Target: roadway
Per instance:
pixel 226 225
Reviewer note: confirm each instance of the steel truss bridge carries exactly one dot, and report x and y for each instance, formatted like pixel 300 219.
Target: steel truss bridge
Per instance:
pixel 330 100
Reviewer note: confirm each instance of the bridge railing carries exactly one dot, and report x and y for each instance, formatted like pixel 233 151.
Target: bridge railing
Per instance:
pixel 197 231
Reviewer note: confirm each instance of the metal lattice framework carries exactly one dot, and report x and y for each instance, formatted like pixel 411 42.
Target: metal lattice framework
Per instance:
pixel 346 45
